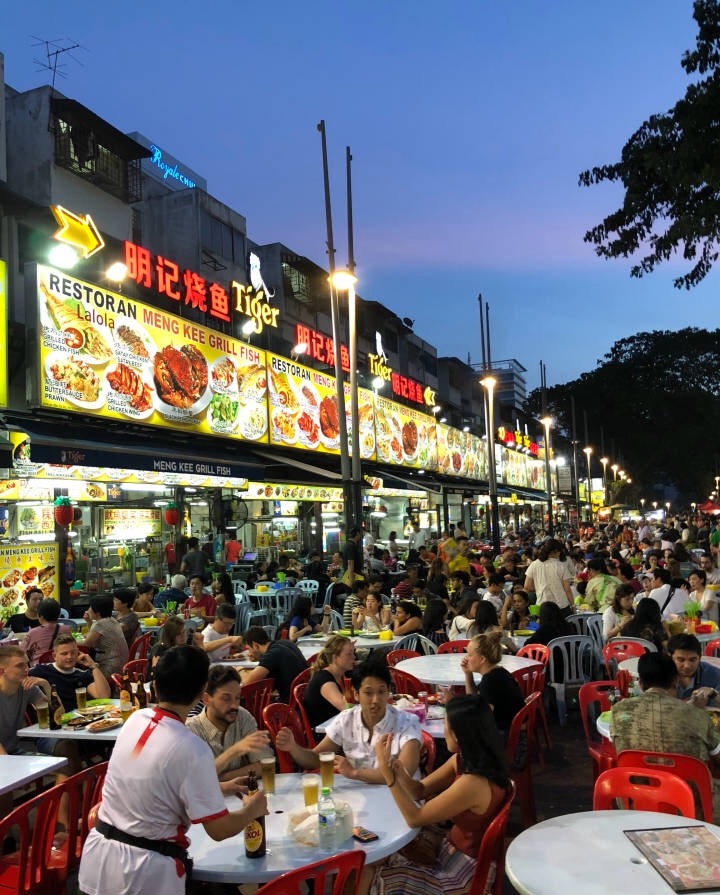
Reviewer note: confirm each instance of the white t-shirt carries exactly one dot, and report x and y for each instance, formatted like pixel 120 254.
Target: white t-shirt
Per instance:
pixel 154 789
pixel 209 635
pixel 548 579
pixel 348 731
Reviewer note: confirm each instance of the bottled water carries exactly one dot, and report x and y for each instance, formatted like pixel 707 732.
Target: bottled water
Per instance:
pixel 326 820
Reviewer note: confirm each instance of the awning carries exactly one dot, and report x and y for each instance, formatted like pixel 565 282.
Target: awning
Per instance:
pixel 508 490
pixel 274 468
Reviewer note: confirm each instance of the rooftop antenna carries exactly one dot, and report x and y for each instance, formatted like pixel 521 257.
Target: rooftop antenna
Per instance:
pixel 54 50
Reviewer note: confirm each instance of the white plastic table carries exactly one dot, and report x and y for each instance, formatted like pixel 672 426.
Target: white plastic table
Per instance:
pixel 444 668
pixel 631 664
pixel 17 770
pixel 434 723
pixel 589 853
pixel 309 646
pixel 224 862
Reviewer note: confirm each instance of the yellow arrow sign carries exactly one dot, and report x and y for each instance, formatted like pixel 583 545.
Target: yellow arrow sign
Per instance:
pixel 429 396
pixel 78 231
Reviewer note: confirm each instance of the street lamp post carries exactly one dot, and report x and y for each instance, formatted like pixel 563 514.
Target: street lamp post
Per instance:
pixel 547 422
pixel 604 461
pixel 489 382
pixel 588 451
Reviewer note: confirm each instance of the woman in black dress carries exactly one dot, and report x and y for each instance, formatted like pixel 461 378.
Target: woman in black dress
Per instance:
pixel 498 686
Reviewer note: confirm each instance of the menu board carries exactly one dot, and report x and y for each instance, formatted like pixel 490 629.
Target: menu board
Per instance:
pixel 130 523
pixel 461 454
pixel 109 355
pixel 274 491
pixel 23 567
pixel 303 409
pixel 25 489
pixel 405 436
pixel 536 474
pixel 35 520
pixel 514 468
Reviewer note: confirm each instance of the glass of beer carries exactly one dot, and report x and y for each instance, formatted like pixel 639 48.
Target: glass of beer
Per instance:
pixel 311 787
pixel 43 715
pixel 81 697
pixel 327 765
pixel 267 768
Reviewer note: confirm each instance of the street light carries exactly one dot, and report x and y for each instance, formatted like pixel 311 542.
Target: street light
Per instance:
pixel 615 468
pixel 588 451
pixel 489 383
pixel 604 461
pixel 344 281
pixel 642 504
pixel 547 422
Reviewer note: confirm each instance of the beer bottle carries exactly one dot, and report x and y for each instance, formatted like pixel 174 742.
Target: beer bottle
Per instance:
pixel 152 698
pixel 56 710
pixel 255 841
pixel 141 699
pixel 126 698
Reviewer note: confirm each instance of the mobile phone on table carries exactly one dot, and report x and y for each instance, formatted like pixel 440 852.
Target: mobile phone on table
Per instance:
pixel 363 835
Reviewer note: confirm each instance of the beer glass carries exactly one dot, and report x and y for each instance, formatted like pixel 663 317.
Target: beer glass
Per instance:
pixel 311 787
pixel 43 715
pixel 267 768
pixel 81 697
pixel 327 765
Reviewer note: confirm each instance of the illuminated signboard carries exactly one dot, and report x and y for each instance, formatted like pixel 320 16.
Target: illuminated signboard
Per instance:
pixel 165 168
pixel 321 347
pixel 516 439
pixel 3 334
pixel 109 355
pixel 405 437
pixel 402 386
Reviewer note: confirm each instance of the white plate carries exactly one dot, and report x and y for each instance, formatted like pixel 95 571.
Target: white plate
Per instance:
pixel 411 456
pixel 183 414
pixel 228 384
pixel 120 402
pixel 309 398
pixel 288 432
pixel 309 436
pixel 55 337
pixel 223 425
pixel 125 352
pixel 253 421
pixel 72 396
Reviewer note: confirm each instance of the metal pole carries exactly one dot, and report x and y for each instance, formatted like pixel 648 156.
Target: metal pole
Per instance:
pixel 352 318
pixel 335 316
pixel 575 460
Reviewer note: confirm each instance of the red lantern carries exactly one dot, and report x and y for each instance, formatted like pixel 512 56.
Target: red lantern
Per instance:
pixel 171 515
pixel 64 514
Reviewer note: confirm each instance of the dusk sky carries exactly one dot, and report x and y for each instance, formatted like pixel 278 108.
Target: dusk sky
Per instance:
pixel 468 122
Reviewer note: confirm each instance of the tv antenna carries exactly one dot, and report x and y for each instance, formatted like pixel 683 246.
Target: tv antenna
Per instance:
pixel 54 56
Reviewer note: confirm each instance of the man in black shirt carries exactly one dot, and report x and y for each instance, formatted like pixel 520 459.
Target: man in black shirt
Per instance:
pixel 353 561
pixel 71 669
pixel 279 659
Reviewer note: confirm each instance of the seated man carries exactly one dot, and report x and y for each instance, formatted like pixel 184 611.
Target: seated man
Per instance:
pixel 229 730
pixel 697 681
pixel 17 692
pixel 657 721
pixel 173 594
pixel 355 731
pixel 217 640
pixel 279 659
pixel 71 669
pixel 359 590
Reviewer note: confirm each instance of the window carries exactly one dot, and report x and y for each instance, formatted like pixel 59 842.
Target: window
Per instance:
pixel 220 239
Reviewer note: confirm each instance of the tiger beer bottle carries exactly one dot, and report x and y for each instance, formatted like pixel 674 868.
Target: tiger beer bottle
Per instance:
pixel 57 710
pixel 255 841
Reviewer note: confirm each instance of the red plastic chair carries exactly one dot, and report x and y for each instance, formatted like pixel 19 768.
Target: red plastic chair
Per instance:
pixel 593 701
pixel 453 646
pixel 139 647
pixel 642 789
pixel 28 870
pixel 491 854
pixel 338 875
pixel 407 683
pixel 692 770
pixel 427 753
pixel 617 650
pixel 277 715
pixel 297 701
pixel 712 647
pixel 518 752
pixel 256 696
pixel 536 651
pixel 532 680
pixel 301 678
pixel 84 790
pixel 137 670
pixel 397 655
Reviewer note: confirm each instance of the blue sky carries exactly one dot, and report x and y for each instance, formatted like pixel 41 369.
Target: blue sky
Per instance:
pixel 468 122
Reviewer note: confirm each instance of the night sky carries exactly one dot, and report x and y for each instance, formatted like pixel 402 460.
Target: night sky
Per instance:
pixel 468 121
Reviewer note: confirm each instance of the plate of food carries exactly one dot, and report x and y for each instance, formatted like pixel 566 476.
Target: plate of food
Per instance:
pixel 70 377
pixel 224 376
pixel 73 331
pixel 253 421
pixel 222 413
pixel 329 419
pixel 252 382
pixel 129 393
pixel 308 430
pixel 309 398
pixel 104 724
pixel 410 439
pixel 282 393
pixel 133 344
pixel 181 382
pixel 284 426
pixel 368 635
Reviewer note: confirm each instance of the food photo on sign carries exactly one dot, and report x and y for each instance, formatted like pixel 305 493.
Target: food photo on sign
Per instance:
pixel 404 436
pixel 105 353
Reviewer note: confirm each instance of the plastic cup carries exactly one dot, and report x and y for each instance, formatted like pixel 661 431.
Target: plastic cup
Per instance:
pixel 81 697
pixel 311 788
pixel 43 715
pixel 327 768
pixel 267 769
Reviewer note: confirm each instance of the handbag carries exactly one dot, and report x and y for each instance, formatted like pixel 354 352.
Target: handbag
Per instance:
pixel 425 847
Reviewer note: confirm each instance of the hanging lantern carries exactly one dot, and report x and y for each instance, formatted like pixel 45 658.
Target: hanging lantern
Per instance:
pixel 64 511
pixel 172 514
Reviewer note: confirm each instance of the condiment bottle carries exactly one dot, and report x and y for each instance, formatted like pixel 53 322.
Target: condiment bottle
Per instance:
pixel 255 841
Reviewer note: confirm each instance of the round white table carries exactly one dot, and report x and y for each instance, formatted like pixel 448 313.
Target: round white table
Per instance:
pixel 224 862
pixel 17 770
pixel 309 645
pixel 631 664
pixel 589 853
pixel 445 668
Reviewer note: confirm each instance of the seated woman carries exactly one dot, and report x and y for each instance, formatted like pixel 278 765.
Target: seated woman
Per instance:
pixel 617 615
pixel 463 621
pixel 123 598
pixel 106 636
pixel 39 640
pixel 551 624
pixel 408 619
pixel 486 622
pixel 144 607
pixel 648 624
pixel 300 622
pixel 434 621
pixel 467 791
pixel 222 589
pixel 370 615
pixel 325 694
pixel 515 613
pixel 173 634
pixel 497 685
